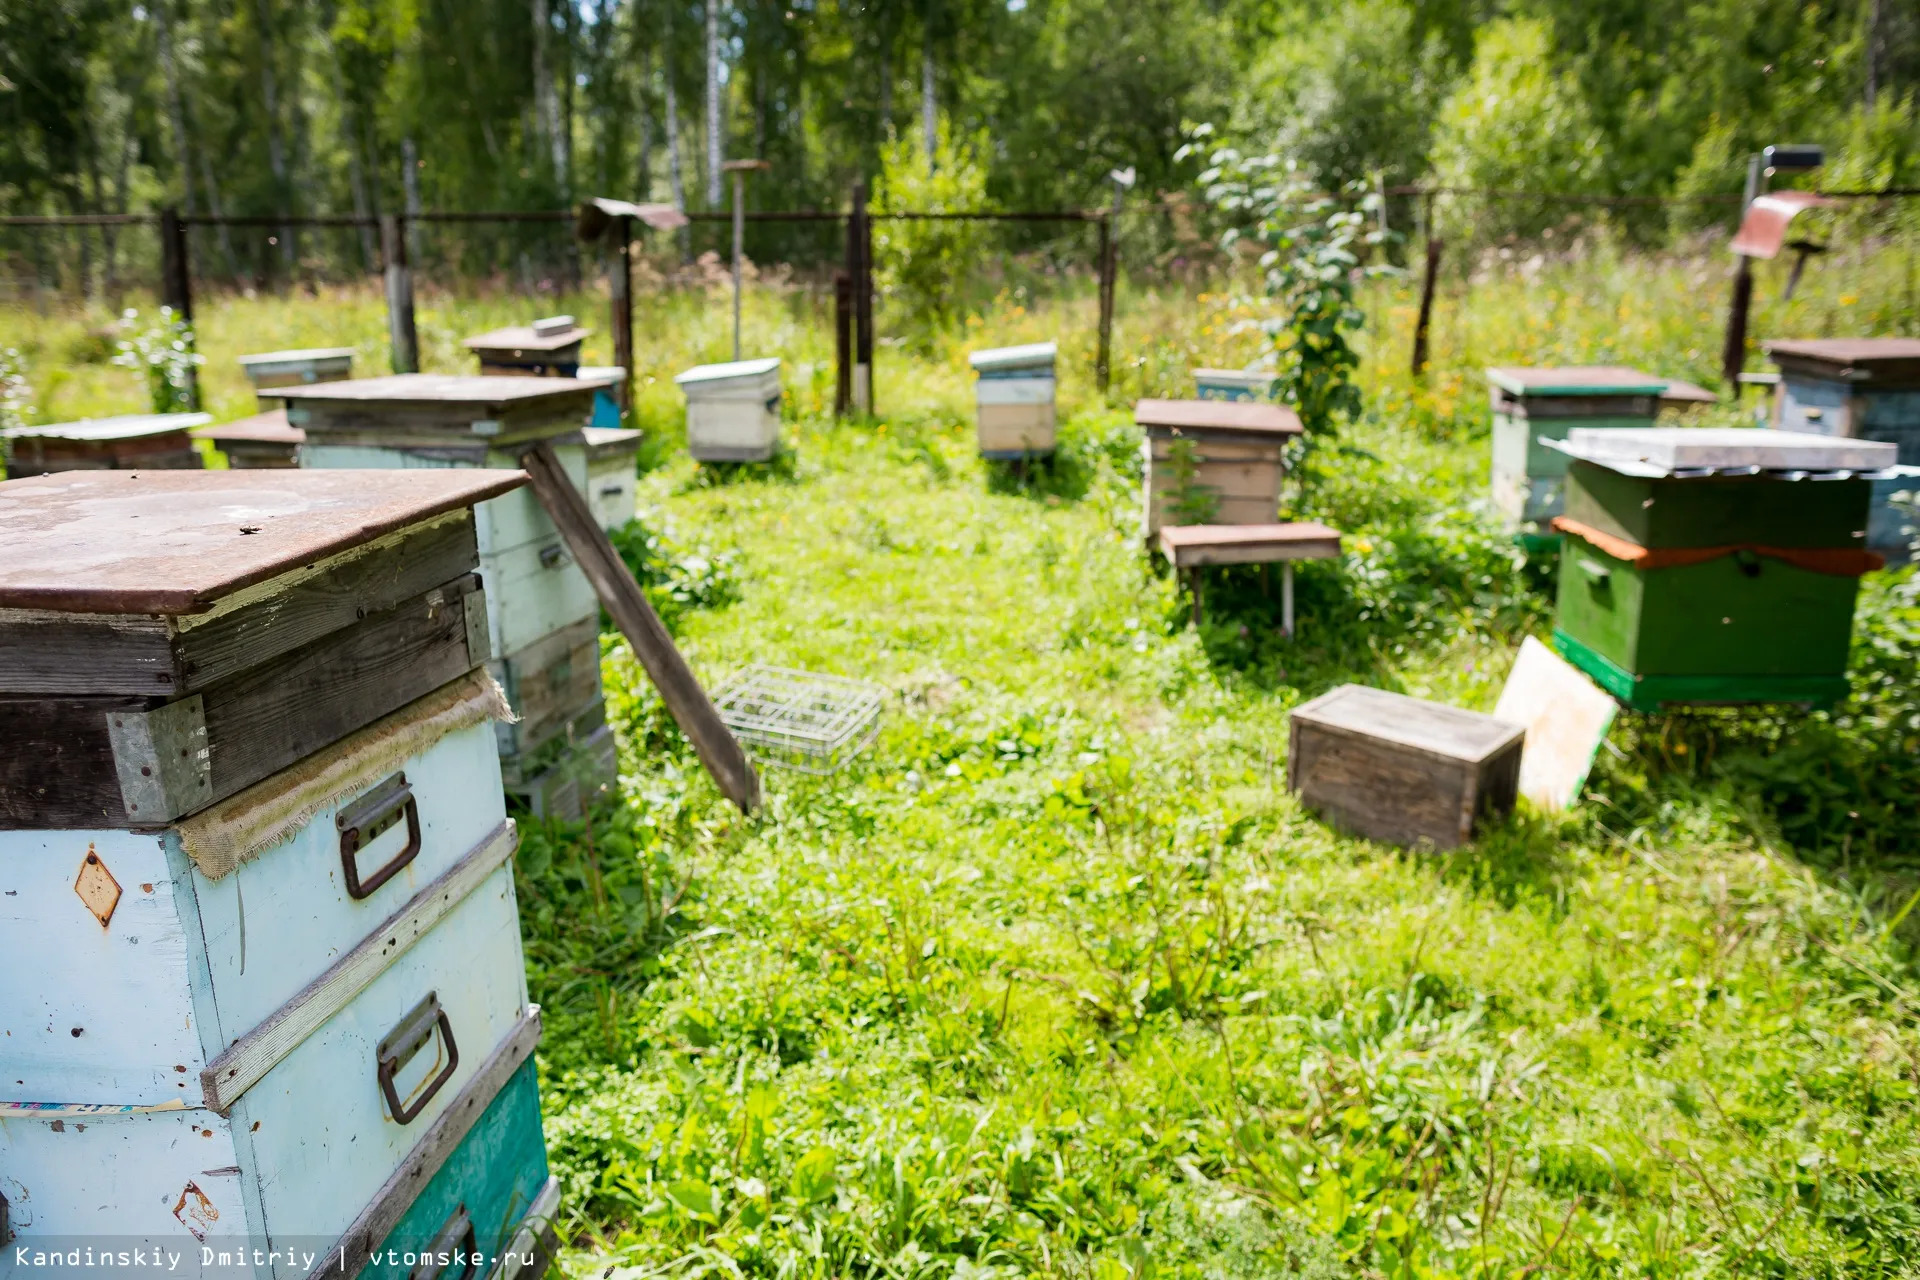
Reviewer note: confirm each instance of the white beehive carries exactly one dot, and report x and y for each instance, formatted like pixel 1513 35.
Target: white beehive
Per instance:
pixel 1014 398
pixel 733 410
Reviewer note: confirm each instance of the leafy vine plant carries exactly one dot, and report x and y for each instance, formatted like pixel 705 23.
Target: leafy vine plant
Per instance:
pixel 163 354
pixel 1317 248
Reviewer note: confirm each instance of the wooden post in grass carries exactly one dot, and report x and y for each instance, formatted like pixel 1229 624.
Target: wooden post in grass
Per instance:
pixel 1427 283
pixel 401 337
pixel 685 700
pixel 620 298
pixel 1103 357
pixel 860 268
pixel 842 344
pixel 176 283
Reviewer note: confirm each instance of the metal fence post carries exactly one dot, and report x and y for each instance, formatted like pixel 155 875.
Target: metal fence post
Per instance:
pixel 405 343
pixel 1102 360
pixel 176 284
pixel 860 264
pixel 620 296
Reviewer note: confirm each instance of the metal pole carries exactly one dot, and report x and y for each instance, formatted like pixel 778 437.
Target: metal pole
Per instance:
pixel 842 343
pixel 176 284
pixel 861 245
pixel 1286 598
pixel 739 241
pixel 1102 360
pixel 620 291
pixel 402 339
pixel 1733 348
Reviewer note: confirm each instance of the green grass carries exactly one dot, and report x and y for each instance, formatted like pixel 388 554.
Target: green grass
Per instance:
pixel 1057 979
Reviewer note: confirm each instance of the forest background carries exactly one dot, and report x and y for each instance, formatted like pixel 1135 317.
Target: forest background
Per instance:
pixel 276 108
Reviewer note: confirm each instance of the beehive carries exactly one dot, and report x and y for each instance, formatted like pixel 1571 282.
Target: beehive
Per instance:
pixel 1699 565
pixel 541 610
pixel 1014 394
pixel 1235 450
pixel 266 988
pixel 545 348
pixel 1234 384
pixel 613 474
pixel 733 410
pixel 132 442
pixel 1861 388
pixel 261 441
pixel 297 368
pixel 1529 479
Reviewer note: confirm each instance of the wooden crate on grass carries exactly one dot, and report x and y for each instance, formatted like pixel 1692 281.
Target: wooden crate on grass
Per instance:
pixel 1402 770
pixel 1237 452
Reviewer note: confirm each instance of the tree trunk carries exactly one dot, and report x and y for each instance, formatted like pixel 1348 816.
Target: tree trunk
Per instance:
pixel 276 148
pixel 213 206
pixel 643 120
pixel 886 79
pixel 715 138
pixel 1873 54
pixel 356 173
pixel 546 104
pixel 929 110
pixel 176 113
pixel 676 176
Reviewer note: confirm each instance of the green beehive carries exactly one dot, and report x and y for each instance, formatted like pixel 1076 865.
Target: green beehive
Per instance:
pixel 1714 566
pixel 1529 479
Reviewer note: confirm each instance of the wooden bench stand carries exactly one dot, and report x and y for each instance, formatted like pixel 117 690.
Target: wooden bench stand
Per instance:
pixel 1193 546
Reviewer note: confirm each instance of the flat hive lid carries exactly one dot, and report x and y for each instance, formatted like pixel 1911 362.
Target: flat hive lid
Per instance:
pixel 1577 380
pixel 727 372
pixel 455 391
pixel 1298 540
pixel 299 355
pixel 174 542
pixel 130 426
pixel 1852 359
pixel 604 441
pixel 601 375
pixel 1666 451
pixel 1251 379
pixel 271 427
pixel 1248 417
pixel 524 337
pixel 1432 728
pixel 1034 355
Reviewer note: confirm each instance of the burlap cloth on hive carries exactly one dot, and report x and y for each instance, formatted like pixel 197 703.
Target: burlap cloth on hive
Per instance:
pixel 271 812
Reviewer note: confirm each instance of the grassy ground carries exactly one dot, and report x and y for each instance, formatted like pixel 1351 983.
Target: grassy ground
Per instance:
pixel 1057 980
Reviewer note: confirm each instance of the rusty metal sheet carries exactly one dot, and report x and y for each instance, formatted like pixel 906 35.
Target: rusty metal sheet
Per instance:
pixel 1249 416
pixel 1577 380
pixel 1681 394
pixel 271 427
pixel 1894 361
pixel 468 391
pixel 597 214
pixel 97 887
pixel 1763 231
pixel 175 542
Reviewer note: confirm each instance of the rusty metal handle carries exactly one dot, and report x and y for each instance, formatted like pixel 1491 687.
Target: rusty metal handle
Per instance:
pixel 456 1240
pixel 365 820
pixel 405 1041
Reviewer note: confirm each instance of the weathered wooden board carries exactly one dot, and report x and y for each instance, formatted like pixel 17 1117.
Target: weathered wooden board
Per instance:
pixel 422 407
pixel 60 767
pixel 534 590
pixel 548 684
pixel 1188 546
pixel 1402 770
pixel 500 524
pixel 44 651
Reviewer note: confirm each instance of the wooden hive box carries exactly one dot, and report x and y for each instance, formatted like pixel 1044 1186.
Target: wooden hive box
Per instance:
pixel 1014 400
pixel 547 348
pixel 613 474
pixel 733 410
pixel 1234 384
pixel 1238 453
pixel 297 368
pixel 1529 479
pixel 133 442
pixel 1700 566
pixel 1402 770
pixel 264 441
pixel 365 1061
pixel 457 416
pixel 1864 389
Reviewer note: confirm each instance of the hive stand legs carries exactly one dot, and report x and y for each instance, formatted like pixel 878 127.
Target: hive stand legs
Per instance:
pixel 1286 598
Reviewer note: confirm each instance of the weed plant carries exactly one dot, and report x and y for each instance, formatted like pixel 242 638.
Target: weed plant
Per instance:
pixel 1057 979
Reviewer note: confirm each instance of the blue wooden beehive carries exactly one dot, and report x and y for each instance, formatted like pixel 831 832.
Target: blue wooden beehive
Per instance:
pixel 543 613
pixel 1866 388
pixel 265 992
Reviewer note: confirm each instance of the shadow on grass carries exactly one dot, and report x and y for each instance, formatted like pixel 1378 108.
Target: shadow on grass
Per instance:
pixel 782 468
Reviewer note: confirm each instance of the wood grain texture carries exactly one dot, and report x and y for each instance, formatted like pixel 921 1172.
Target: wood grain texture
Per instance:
pixel 1416 776
pixel 398 1194
pixel 56 761
pixel 548 684
pixel 248 1059
pixel 65 653
pixel 685 700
